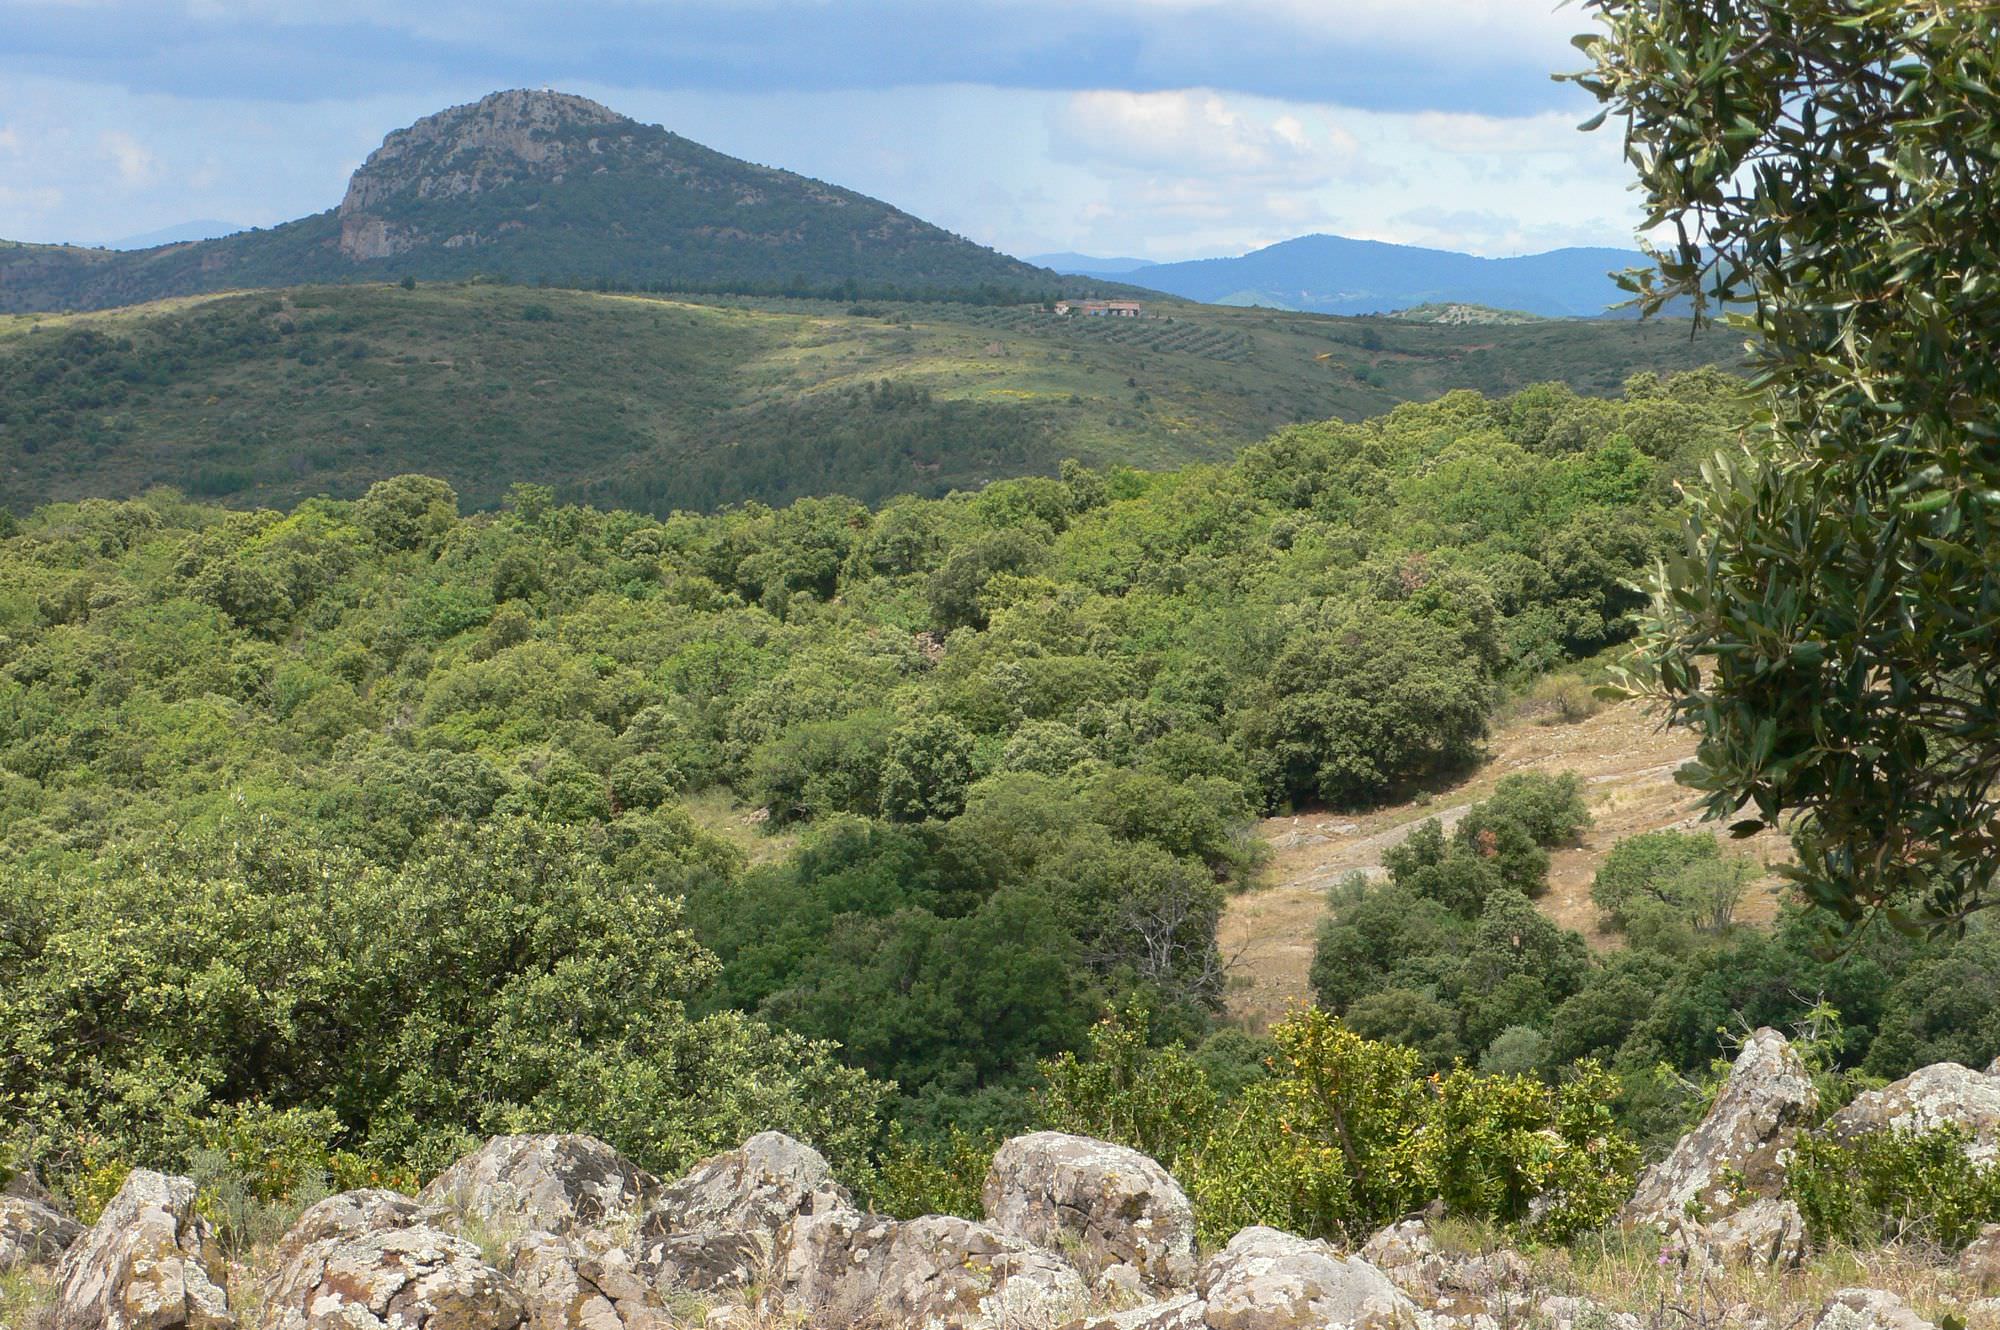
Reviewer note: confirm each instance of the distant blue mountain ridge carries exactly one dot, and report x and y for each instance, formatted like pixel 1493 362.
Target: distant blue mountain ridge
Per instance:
pixel 1325 274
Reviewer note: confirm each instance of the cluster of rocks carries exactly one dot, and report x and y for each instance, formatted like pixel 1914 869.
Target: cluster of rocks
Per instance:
pixel 559 1232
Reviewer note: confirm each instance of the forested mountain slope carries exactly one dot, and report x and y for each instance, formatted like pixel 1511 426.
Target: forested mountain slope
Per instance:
pixel 655 404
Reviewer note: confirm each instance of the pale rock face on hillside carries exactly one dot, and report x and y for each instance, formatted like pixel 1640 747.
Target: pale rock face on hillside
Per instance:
pixel 499 140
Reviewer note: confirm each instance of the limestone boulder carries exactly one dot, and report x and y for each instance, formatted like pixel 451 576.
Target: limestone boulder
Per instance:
pixel 563 1184
pixel 844 1268
pixel 351 1214
pixel 718 1227
pixel 1464 1287
pixel 1183 1311
pixel 403 1278
pixel 1869 1309
pixel 1979 1263
pixel 22 1184
pixel 1768 1234
pixel 1104 1204
pixel 566 1286
pixel 1740 1150
pixel 148 1263
pixel 1942 1094
pixel 1268 1280
pixel 761 1185
pixel 32 1233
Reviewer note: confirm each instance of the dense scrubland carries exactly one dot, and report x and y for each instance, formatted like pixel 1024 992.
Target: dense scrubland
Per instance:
pixel 338 838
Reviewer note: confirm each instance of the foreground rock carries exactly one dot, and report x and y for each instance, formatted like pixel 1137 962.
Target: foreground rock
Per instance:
pixel 1740 1150
pixel 32 1233
pixel 1942 1094
pixel 718 1227
pixel 1462 1287
pixel 149 1263
pixel 1869 1309
pixel 845 1268
pixel 1766 1233
pixel 1268 1280
pixel 415 1278
pixel 562 1184
pixel 1184 1311
pixel 1104 1204
pixel 1979 1263
pixel 570 1287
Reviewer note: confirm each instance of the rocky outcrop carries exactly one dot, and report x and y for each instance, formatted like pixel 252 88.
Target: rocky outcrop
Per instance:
pixel 351 1214
pixel 569 1287
pixel 762 1185
pixel 1869 1309
pixel 1769 1233
pixel 562 1184
pixel 415 1278
pixel 1268 1280
pixel 1464 1287
pixel 845 1268
pixel 148 1263
pixel 1942 1094
pixel 718 1226
pixel 499 140
pixel 1104 1204
pixel 1979 1263
pixel 1739 1152
pixel 32 1233
pixel 1184 1311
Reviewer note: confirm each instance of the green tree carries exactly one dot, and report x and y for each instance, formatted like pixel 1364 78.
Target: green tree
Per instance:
pixel 1827 625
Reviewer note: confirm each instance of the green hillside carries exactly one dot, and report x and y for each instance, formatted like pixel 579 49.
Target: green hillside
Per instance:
pixel 658 403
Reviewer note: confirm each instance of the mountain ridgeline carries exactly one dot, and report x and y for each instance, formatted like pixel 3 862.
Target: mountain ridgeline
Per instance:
pixel 1324 274
pixel 537 186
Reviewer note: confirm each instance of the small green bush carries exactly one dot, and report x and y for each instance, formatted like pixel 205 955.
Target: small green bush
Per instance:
pixel 1894 1184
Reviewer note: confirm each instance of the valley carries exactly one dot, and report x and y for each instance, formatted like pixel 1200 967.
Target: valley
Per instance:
pixel 657 403
pixel 1627 761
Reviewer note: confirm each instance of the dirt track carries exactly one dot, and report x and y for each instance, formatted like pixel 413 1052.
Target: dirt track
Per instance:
pixel 1628 765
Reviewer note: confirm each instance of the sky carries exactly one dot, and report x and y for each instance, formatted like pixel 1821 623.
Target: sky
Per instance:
pixel 1157 129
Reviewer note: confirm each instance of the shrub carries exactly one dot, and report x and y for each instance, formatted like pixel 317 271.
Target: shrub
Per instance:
pixel 939 1176
pixel 1550 807
pixel 1158 1101
pixel 1894 1184
pixel 1643 868
pixel 407 512
pixel 1345 1136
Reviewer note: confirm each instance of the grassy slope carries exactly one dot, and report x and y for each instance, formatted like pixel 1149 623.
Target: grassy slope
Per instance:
pixel 269 397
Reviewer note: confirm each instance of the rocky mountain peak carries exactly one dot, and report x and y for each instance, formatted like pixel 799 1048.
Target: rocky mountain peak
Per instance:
pixel 498 140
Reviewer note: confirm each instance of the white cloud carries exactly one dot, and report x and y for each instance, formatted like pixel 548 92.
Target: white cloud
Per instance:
pixel 1199 131
pixel 135 163
pixel 10 139
pixel 1550 132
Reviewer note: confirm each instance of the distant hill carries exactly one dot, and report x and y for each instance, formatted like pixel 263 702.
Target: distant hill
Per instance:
pixel 207 228
pixel 656 404
pixel 544 186
pixel 1088 265
pixel 1325 274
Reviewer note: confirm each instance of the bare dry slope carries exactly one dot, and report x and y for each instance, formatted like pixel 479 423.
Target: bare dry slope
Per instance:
pixel 1628 763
